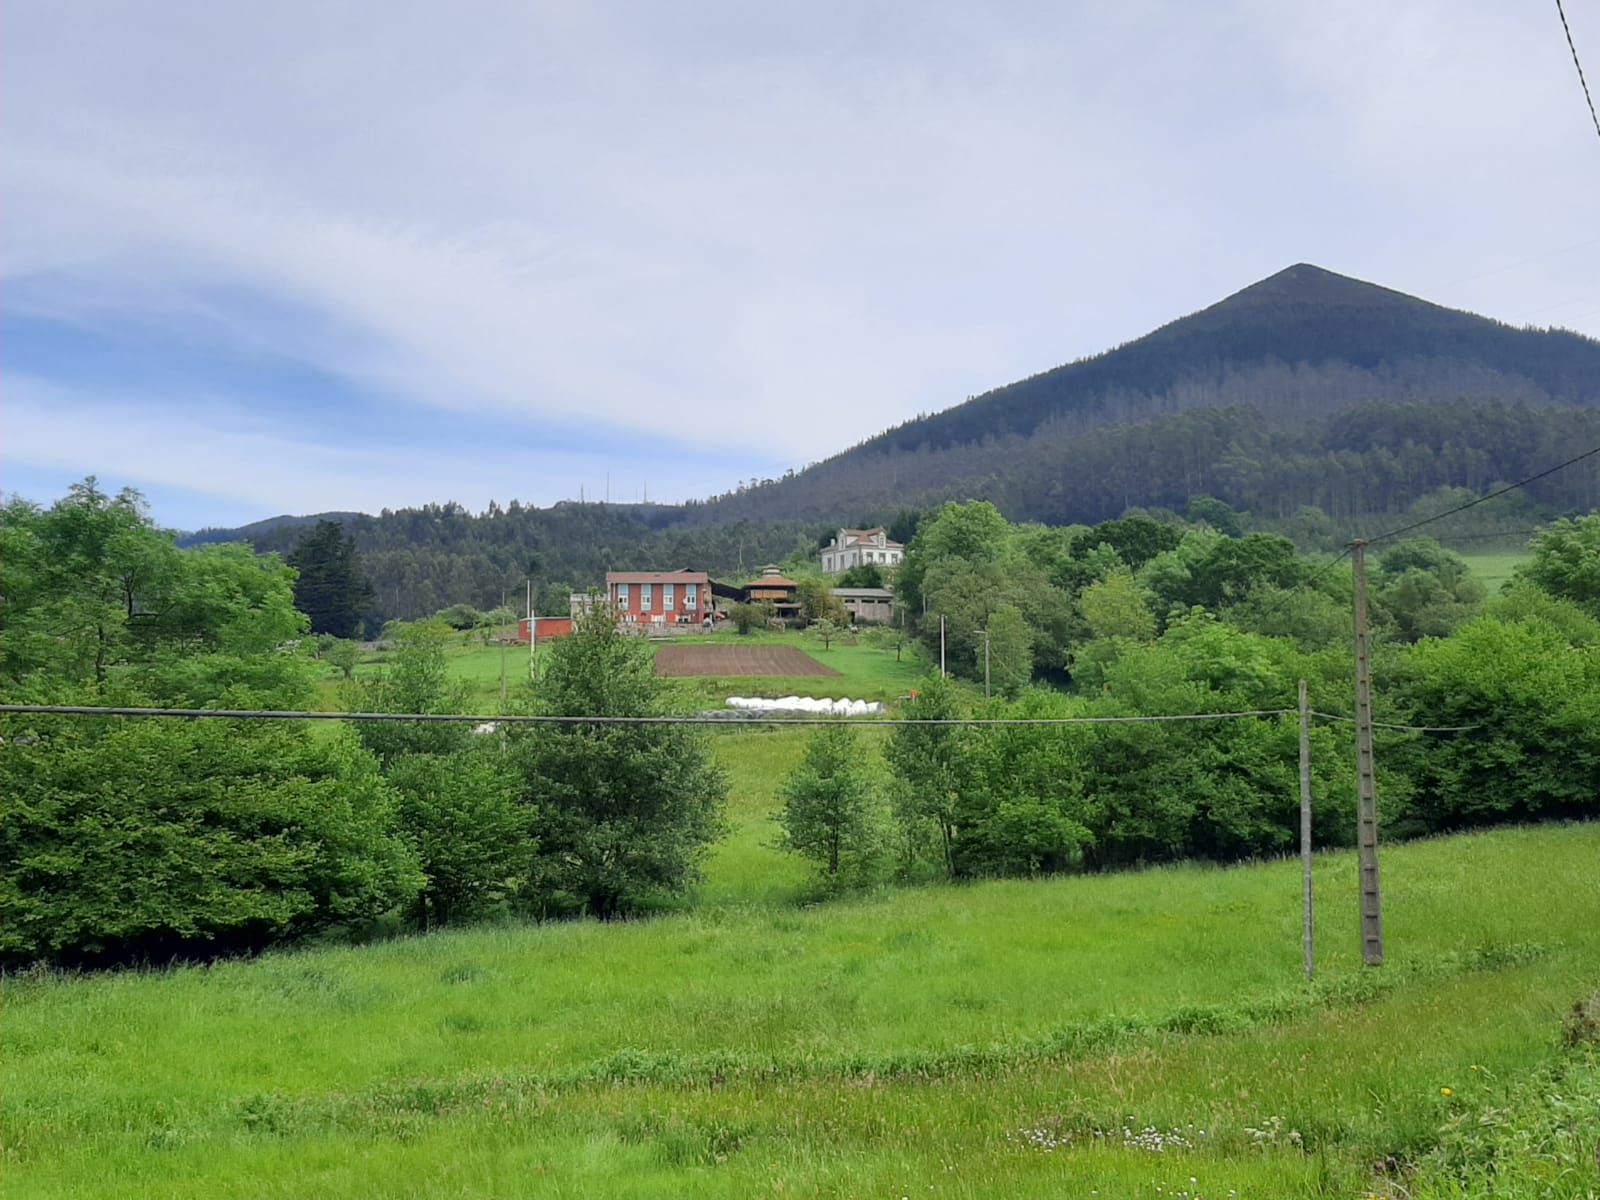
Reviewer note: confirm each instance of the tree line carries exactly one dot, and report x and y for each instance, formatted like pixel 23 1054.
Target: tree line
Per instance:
pixel 143 840
pixel 1181 622
pixel 126 839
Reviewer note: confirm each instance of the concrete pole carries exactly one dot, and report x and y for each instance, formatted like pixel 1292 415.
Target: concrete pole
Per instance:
pixel 1366 775
pixel 1308 928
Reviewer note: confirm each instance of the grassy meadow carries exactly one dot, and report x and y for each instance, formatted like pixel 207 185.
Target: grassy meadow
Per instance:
pixel 1493 568
pixel 1145 1034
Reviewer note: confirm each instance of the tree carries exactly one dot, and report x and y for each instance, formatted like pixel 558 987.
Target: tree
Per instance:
pixel 1534 702
pixel 624 812
pixel 825 630
pixel 830 812
pixel 932 771
pixel 749 617
pixel 331 589
pixel 1010 650
pixel 862 575
pixel 1115 607
pixel 416 680
pixel 818 603
pixel 145 840
pixel 1566 560
pixel 95 595
pixel 473 838
pixel 1424 590
pixel 343 654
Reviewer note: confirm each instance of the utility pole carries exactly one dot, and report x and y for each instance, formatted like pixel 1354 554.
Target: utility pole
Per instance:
pixel 533 637
pixel 941 645
pixel 1307 927
pixel 1366 775
pixel 985 664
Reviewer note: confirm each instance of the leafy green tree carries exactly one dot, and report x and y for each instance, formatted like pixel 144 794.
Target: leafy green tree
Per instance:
pixel 825 631
pixel 624 812
pixel 460 616
pixel 1208 510
pixel 344 655
pixel 974 532
pixel 1135 539
pixel 862 575
pixel 1024 811
pixel 1114 607
pixel 749 617
pixel 416 679
pixel 1424 590
pixel 96 595
pixel 331 588
pixel 831 813
pixel 145 840
pixel 818 603
pixel 473 837
pixel 1010 650
pixel 1533 700
pixel 932 772
pixel 1566 560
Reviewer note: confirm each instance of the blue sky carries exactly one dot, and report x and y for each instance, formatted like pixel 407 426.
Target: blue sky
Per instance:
pixel 299 257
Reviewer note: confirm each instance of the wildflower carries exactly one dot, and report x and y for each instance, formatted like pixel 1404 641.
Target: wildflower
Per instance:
pixel 1444 1091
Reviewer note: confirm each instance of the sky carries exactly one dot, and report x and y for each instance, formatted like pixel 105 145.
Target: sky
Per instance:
pixel 301 257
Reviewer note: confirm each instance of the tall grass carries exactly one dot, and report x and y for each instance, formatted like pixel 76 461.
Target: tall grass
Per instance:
pixel 990 1039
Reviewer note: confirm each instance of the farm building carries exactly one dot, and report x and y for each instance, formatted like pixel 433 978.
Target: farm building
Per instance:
pixel 681 597
pixel 772 588
pixel 867 606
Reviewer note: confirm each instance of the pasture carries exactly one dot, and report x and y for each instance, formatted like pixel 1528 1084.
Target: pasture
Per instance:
pixel 1145 1034
pixel 1493 568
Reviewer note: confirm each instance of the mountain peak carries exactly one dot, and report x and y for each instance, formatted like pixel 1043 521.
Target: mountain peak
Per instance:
pixel 1306 283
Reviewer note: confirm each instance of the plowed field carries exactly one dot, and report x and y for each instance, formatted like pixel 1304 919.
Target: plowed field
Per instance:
pixel 723 659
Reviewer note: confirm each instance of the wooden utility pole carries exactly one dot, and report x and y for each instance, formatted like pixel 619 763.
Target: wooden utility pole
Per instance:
pixel 1366 775
pixel 985 664
pixel 1307 927
pixel 941 645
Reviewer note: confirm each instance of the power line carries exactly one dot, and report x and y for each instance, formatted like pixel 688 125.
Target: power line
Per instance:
pixel 1570 46
pixel 1510 487
pixel 253 714
pixel 1403 728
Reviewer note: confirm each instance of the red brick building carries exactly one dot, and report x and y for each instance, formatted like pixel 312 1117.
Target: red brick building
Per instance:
pixel 659 597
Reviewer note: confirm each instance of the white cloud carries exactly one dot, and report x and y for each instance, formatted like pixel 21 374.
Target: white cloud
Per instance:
pixel 775 230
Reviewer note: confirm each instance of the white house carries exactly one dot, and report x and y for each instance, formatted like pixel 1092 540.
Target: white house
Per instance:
pixel 856 547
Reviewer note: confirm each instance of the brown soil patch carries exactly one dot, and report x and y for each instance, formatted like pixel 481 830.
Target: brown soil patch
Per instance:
pixel 723 659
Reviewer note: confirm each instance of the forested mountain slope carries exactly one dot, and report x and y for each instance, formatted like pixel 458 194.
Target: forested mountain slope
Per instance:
pixel 1282 359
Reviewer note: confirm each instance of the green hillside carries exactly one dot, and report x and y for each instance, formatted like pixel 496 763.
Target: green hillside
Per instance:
pixel 1134 1035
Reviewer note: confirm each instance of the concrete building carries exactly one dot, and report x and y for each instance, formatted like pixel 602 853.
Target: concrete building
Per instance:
pixel 856 547
pixel 867 606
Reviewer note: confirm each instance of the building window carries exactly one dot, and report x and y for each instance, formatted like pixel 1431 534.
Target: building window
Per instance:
pixel 622 595
pixel 645 597
pixel 691 595
pixel 668 596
